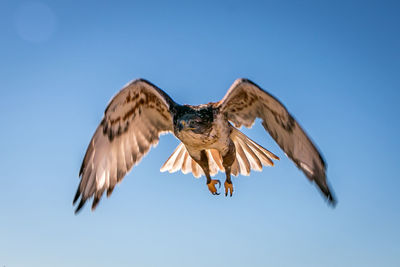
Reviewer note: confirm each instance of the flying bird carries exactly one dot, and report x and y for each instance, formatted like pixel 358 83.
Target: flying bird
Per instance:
pixel 210 141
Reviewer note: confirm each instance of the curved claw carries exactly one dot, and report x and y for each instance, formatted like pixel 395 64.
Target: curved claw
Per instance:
pixel 228 188
pixel 212 188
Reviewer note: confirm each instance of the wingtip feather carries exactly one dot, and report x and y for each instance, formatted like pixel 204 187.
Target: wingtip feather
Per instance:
pixel 80 206
pixel 329 196
pixel 77 194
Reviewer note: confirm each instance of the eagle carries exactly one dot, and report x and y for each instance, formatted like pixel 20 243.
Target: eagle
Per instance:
pixel 210 140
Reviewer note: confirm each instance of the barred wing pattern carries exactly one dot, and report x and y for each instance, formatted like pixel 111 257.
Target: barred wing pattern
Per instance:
pixel 245 101
pixel 132 123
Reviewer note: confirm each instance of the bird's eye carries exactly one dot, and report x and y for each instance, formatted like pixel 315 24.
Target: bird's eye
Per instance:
pixel 194 122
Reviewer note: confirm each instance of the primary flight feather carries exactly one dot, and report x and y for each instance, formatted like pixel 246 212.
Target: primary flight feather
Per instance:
pixel 140 112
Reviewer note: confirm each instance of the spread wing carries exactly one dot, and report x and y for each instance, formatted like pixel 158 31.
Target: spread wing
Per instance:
pixel 132 123
pixel 245 101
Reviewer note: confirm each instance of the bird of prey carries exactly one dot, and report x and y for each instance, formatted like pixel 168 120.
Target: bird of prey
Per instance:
pixel 140 112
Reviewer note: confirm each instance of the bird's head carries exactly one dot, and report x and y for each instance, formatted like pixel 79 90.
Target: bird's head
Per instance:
pixel 188 123
pixel 191 122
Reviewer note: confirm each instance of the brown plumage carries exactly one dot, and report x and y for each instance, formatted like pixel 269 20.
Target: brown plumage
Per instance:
pixel 140 112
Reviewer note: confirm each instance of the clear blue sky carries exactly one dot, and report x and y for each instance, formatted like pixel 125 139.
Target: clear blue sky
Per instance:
pixel 335 64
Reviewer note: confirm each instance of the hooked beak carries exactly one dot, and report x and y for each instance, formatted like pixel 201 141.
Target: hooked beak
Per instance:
pixel 181 125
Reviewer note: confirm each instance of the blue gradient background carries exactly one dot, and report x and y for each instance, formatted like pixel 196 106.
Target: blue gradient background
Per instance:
pixel 335 65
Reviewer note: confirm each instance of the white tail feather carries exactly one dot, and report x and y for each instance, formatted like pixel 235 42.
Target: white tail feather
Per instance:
pixel 249 156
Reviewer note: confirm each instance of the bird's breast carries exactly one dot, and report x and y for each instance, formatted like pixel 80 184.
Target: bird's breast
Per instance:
pixel 201 140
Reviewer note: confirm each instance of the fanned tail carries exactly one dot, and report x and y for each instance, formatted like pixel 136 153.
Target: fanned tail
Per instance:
pixel 249 156
pixel 181 160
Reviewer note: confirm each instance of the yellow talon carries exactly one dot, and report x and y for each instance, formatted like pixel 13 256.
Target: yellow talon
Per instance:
pixel 212 188
pixel 228 187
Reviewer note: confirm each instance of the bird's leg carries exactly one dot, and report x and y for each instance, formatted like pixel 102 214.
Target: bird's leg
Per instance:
pixel 227 161
pixel 228 182
pixel 203 162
